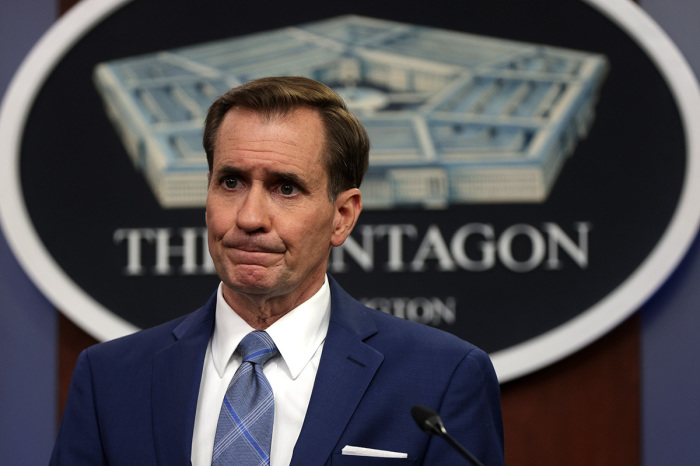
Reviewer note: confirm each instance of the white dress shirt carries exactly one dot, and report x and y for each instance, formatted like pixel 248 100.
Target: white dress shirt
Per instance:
pixel 299 336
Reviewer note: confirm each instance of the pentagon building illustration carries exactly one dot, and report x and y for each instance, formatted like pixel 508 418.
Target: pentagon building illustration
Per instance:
pixel 453 118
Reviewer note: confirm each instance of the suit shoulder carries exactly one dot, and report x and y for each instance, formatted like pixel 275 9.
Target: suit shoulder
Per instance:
pixel 355 317
pixel 138 343
pixel 406 334
pixel 146 342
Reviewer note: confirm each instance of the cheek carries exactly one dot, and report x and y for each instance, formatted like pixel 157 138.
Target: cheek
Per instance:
pixel 312 231
pixel 216 223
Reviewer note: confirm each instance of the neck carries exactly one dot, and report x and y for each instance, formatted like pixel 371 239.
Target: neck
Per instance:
pixel 259 311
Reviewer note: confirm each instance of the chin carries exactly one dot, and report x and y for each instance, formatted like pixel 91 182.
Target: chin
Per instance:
pixel 250 284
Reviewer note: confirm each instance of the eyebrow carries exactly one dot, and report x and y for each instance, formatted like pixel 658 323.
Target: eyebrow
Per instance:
pixel 225 170
pixel 289 176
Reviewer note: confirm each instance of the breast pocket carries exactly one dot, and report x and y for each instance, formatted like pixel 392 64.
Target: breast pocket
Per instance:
pixel 349 460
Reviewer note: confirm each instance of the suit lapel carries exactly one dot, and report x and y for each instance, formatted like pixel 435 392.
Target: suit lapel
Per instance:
pixel 346 369
pixel 177 372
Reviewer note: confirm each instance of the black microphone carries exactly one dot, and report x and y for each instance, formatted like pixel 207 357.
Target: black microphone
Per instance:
pixel 429 421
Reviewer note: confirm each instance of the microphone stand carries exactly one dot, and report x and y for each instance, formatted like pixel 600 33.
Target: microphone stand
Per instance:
pixel 429 421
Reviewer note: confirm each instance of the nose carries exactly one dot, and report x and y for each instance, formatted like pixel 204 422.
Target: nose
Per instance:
pixel 253 214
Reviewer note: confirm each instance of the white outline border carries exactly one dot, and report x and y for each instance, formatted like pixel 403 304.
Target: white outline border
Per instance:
pixel 510 363
pixel 24 241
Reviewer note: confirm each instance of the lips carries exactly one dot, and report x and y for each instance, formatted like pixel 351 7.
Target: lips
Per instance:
pixel 253 251
pixel 248 247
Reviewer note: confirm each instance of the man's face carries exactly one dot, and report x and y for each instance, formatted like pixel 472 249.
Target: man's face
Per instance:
pixel 271 224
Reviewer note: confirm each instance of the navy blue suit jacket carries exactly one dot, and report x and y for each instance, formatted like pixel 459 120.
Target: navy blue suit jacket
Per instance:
pixel 132 401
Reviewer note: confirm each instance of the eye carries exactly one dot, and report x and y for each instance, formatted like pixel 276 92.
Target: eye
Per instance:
pixel 288 189
pixel 231 182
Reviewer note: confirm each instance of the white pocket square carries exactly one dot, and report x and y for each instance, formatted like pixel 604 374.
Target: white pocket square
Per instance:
pixel 360 451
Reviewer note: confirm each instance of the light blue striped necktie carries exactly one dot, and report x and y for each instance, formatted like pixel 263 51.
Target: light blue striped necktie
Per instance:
pixel 244 432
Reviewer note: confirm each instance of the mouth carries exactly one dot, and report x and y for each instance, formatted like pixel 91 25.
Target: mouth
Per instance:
pixel 254 249
pixel 253 254
pixel 253 245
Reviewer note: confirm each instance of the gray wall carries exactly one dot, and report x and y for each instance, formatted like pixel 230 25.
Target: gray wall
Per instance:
pixel 28 388
pixel 670 321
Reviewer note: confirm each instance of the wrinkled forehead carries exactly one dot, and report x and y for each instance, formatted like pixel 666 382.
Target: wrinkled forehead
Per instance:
pixel 300 116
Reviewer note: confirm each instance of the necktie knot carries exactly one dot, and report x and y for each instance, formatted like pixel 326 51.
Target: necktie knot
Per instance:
pixel 257 347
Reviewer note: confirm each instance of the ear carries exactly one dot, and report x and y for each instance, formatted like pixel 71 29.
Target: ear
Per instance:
pixel 348 206
pixel 206 212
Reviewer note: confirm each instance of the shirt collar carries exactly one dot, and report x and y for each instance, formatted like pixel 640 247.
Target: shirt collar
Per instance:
pixel 297 335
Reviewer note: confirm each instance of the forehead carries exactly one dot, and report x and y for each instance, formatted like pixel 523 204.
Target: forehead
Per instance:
pixel 295 134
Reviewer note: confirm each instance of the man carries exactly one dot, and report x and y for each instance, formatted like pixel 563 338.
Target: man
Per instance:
pixel 286 160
